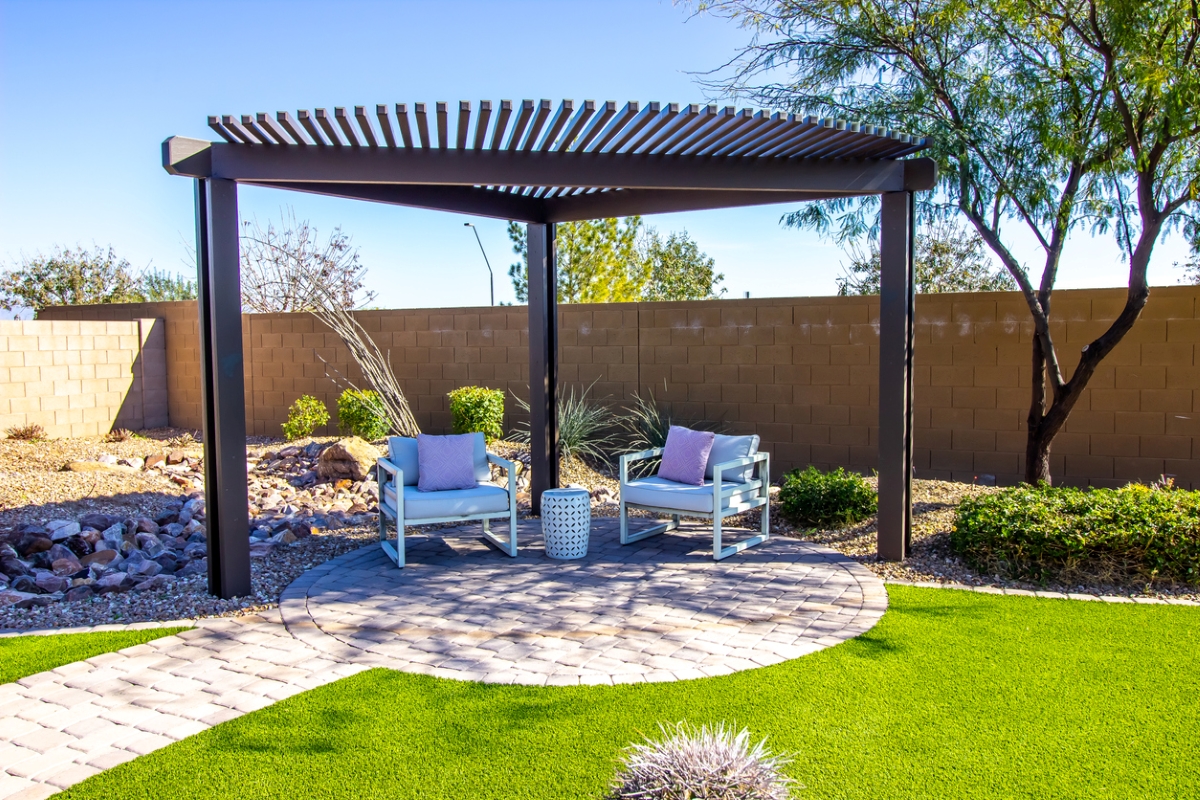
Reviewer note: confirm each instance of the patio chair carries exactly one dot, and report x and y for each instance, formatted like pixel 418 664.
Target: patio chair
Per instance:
pixel 403 504
pixel 737 478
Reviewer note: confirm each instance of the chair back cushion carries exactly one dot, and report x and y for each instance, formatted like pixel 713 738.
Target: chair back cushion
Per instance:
pixel 445 462
pixel 685 455
pixel 727 448
pixel 402 451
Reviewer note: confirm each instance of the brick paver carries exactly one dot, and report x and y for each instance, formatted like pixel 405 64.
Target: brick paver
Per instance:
pixel 658 610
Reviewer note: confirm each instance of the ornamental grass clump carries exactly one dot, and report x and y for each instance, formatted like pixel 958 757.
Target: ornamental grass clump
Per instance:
pixel 826 499
pixel 1137 534
pixel 582 427
pixel 706 764
pixel 474 409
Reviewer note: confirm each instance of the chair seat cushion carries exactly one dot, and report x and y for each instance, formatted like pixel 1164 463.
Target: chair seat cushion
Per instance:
pixel 662 493
pixel 481 499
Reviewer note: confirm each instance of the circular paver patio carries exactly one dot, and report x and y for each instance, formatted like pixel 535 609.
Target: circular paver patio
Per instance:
pixel 657 610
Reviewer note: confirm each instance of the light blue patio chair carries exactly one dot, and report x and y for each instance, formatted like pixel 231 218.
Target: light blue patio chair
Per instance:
pixel 737 478
pixel 403 504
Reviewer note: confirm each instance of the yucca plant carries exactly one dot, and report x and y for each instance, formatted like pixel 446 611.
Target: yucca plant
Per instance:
pixel 646 424
pixel 701 764
pixel 119 435
pixel 27 433
pixel 582 423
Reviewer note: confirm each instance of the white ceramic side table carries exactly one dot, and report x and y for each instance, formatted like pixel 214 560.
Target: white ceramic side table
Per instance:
pixel 566 522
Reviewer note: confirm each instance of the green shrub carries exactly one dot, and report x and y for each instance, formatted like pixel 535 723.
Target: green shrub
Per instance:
pixel 1041 533
pixel 305 416
pixel 475 409
pixel 826 499
pixel 361 413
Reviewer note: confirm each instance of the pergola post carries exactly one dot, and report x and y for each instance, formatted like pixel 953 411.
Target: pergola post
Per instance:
pixel 543 362
pixel 222 386
pixel 896 288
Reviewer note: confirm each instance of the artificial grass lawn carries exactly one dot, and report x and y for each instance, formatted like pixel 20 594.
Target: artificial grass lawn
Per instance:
pixel 26 655
pixel 952 695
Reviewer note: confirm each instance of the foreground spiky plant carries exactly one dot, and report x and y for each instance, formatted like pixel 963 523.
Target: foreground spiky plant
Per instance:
pixel 701 764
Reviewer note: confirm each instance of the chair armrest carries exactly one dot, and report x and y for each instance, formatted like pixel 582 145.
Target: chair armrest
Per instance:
pixel 734 463
pixel 393 470
pixel 641 455
pixel 502 463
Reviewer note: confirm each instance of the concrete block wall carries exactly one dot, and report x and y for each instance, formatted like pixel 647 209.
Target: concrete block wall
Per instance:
pixel 801 372
pixel 83 378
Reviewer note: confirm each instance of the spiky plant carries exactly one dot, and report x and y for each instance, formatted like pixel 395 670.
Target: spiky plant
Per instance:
pixel 28 433
pixel 119 435
pixel 181 441
pixel 709 763
pixel 582 423
pixel 646 424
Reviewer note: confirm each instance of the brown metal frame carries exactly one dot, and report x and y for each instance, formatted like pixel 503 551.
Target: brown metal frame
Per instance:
pixel 530 164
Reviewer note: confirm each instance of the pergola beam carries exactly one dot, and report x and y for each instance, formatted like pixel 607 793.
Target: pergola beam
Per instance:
pixel 261 164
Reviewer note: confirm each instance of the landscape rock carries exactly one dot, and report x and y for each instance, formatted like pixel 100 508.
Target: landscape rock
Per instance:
pixel 25 583
pixel 77 593
pixel 49 583
pixel 102 557
pixel 63 529
pixel 176 457
pixel 11 597
pixel 66 566
pixel 31 544
pixel 156 582
pixel 98 521
pixel 10 564
pixel 154 460
pixel 115 582
pixel 350 458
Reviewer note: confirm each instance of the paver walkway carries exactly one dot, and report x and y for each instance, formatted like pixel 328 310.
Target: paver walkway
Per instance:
pixel 657 610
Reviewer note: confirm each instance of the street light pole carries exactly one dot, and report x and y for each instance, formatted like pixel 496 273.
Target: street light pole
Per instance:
pixel 491 275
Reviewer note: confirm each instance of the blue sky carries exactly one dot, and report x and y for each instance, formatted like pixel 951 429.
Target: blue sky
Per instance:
pixel 90 89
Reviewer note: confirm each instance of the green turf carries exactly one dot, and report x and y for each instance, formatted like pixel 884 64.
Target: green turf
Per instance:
pixel 26 655
pixel 952 695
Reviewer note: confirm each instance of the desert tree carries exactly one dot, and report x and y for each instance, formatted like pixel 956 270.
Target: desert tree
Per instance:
pixel 69 277
pixel 1046 117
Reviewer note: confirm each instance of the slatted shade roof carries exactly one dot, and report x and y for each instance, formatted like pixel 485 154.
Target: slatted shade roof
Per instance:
pixel 535 161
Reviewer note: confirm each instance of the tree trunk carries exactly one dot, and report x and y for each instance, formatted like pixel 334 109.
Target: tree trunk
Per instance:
pixel 1037 443
pixel 1037 457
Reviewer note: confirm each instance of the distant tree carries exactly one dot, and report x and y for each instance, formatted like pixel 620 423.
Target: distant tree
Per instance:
pixel 287 268
pixel 619 261
pixel 597 260
pixel 69 277
pixel 158 287
pixel 949 258
pixel 678 270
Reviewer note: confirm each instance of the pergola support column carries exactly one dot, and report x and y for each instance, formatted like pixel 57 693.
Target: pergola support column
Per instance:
pixel 543 362
pixel 896 290
pixel 222 387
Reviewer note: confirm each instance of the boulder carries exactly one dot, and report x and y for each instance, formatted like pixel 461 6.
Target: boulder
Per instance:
pixel 101 557
pixel 350 458
pixel 39 600
pixel 61 529
pixel 108 458
pixel 76 593
pixel 133 463
pixel 98 521
pixel 11 597
pixel 167 517
pixel 11 564
pixel 25 583
pixel 79 545
pixel 111 583
pixel 114 534
pixel 154 460
pixel 176 457
pixel 197 566
pixel 66 566
pixel 150 544
pixel 50 583
pixel 156 582
pixel 31 544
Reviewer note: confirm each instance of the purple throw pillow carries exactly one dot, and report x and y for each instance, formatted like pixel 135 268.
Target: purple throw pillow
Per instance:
pixel 445 462
pixel 686 455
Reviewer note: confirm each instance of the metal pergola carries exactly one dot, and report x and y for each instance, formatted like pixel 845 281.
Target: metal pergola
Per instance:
pixel 536 163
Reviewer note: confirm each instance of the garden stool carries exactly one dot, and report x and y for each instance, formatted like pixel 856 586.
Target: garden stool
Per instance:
pixel 566 522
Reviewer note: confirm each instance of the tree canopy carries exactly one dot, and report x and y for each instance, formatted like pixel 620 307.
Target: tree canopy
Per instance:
pixel 618 261
pixel 1046 117
pixel 83 276
pixel 948 258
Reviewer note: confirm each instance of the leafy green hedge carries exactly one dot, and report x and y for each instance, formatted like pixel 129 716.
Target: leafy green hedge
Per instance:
pixel 826 499
pixel 1039 533
pixel 474 408
pixel 361 412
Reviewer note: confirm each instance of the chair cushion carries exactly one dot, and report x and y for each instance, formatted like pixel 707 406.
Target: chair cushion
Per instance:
pixel 662 493
pixel 445 462
pixel 685 455
pixel 402 451
pixel 727 448
pixel 420 505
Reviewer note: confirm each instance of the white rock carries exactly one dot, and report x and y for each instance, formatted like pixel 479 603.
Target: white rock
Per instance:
pixel 107 458
pixel 63 531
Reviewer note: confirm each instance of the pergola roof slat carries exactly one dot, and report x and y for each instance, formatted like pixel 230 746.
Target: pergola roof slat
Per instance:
pixel 441 111
pixel 518 126
pixel 222 131
pixel 594 126
pixel 556 124
pixel 614 126
pixel 715 121
pixel 464 122
pixel 664 117
pixel 577 122
pixel 274 131
pixel 402 122
pixel 239 133
pixel 364 125
pixel 640 121
pixel 501 124
pixel 327 127
pixel 481 123
pixel 385 124
pixel 422 124
pixel 343 121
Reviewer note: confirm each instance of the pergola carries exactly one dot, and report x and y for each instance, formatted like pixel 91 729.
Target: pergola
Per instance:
pixel 539 164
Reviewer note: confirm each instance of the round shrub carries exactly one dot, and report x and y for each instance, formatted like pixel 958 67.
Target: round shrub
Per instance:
pixel 361 412
pixel 706 764
pixel 826 499
pixel 476 409
pixel 1039 533
pixel 306 415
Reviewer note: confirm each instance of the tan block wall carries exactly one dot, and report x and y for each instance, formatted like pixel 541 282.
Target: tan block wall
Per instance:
pixel 83 378
pixel 801 372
